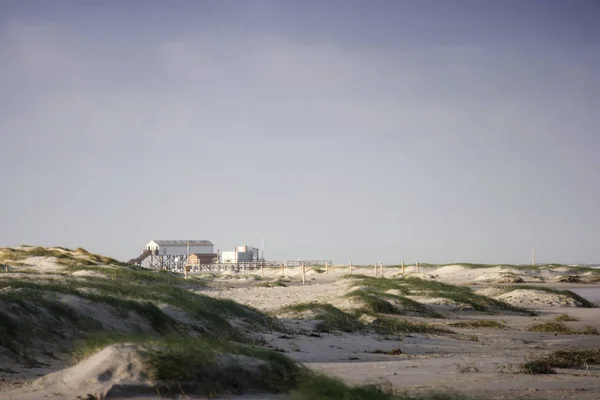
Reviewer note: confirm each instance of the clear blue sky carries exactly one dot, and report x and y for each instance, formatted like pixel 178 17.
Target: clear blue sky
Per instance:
pixel 364 131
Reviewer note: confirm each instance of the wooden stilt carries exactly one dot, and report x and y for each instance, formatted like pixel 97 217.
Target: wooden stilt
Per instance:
pixel 303 274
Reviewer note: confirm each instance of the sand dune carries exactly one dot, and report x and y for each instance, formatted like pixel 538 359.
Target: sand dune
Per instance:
pixel 418 332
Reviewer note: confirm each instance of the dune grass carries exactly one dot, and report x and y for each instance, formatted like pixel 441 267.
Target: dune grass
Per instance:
pixel 332 318
pixel 379 284
pixel 63 255
pixel 396 326
pixel 213 368
pixel 560 328
pixel 420 287
pixel 376 302
pixel 317 386
pixel 133 274
pixel 565 318
pixel 569 358
pixel 204 366
pixel 478 323
pixel 270 284
pixel 35 304
pixel 35 313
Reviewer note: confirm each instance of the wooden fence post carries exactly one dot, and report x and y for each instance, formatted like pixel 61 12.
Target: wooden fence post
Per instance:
pixel 417 266
pixel 402 267
pixel 381 270
pixel 350 267
pixel 303 274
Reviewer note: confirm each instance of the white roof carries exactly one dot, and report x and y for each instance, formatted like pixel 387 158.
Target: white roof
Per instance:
pixel 180 243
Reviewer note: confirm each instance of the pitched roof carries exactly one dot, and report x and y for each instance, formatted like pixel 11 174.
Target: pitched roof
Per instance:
pixel 183 242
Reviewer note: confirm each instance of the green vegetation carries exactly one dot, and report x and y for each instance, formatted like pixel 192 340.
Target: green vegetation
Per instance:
pixel 398 326
pixel 64 256
pixel 376 302
pixel 474 324
pixel 211 367
pixel 379 284
pixel 562 359
pixel 560 328
pixel 315 386
pixel 420 287
pixel 325 388
pixel 39 305
pixel 133 274
pixel 332 318
pixel 200 365
pixel 565 318
pixel 276 283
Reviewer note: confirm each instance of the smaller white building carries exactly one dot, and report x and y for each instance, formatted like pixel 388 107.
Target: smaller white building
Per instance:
pixel 239 254
pixel 179 247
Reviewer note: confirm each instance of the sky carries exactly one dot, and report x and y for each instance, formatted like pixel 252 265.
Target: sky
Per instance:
pixel 352 131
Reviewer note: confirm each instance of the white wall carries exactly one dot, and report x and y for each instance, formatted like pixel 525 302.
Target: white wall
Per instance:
pixel 230 256
pixel 182 250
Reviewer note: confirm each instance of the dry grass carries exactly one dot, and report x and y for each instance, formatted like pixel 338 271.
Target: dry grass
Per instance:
pixel 479 323
pixel 565 318
pixel 569 358
pixel 560 328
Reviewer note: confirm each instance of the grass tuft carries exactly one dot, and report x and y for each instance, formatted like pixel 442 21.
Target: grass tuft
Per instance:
pixel 474 324
pixel 332 318
pixel 560 328
pixel 396 326
pixel 200 365
pixel 565 318
pixel 421 287
pixel 569 358
pixel 276 283
pixel 377 302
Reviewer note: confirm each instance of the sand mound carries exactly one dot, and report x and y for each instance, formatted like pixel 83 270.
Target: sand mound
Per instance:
pixel 443 303
pixel 521 297
pixel 116 370
pixel 491 291
pixel 91 274
pixel 498 277
pixel 127 371
pixel 568 278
